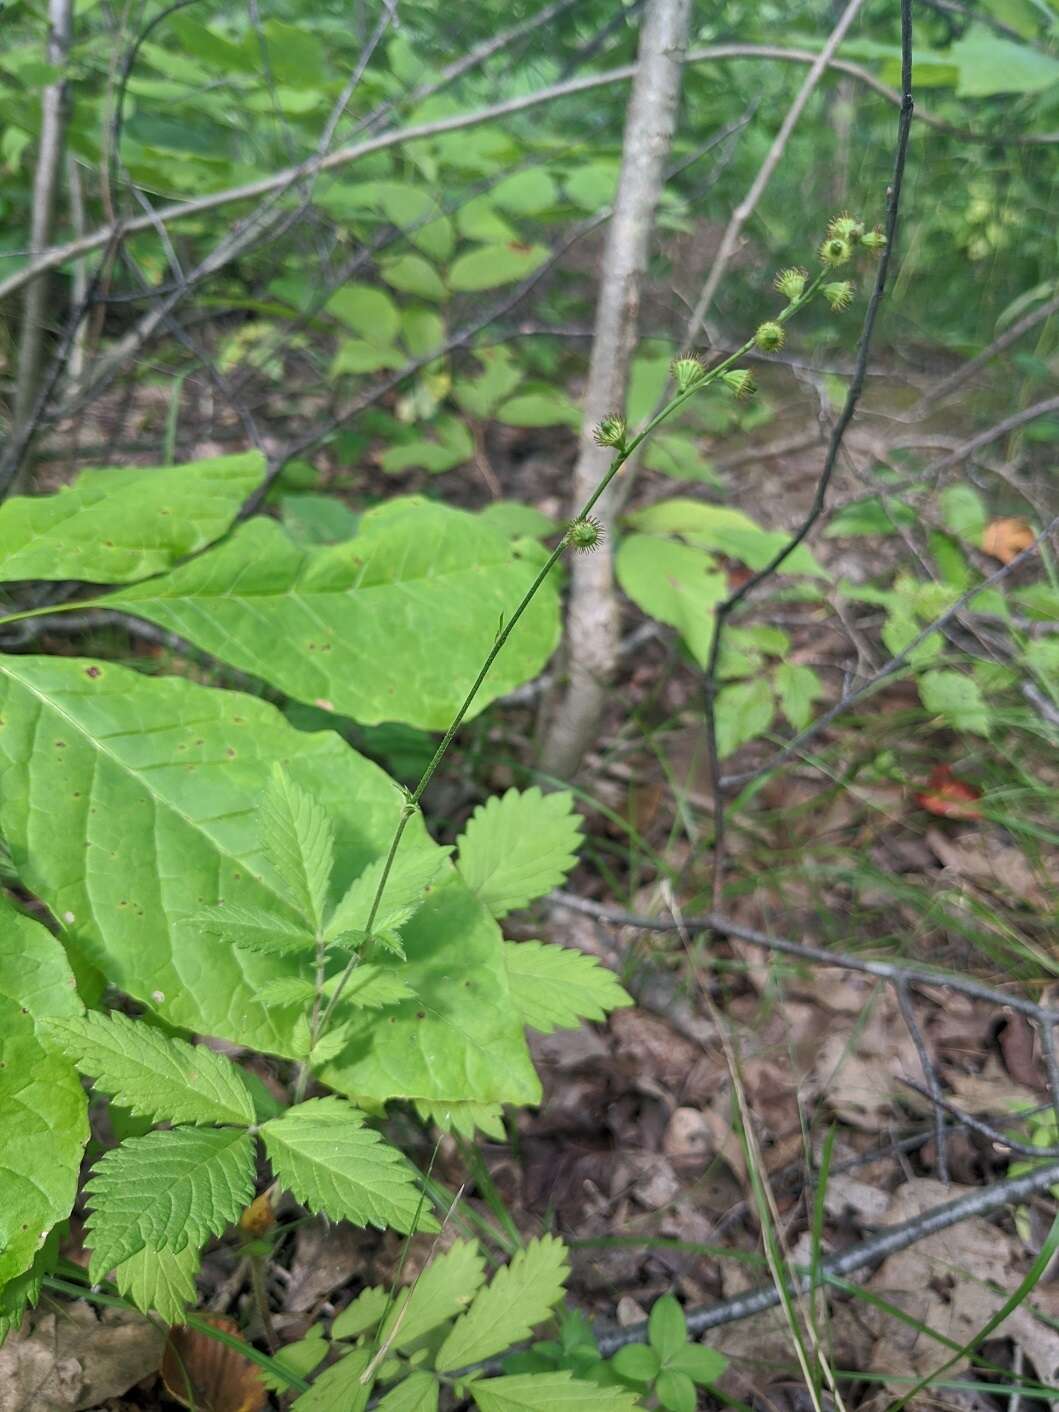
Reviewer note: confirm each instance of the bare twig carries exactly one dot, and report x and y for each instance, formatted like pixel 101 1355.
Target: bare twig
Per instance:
pixel 341 157
pixel 592 613
pixel 45 188
pixel 748 205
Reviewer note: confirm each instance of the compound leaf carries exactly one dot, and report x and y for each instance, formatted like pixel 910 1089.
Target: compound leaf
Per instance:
pixel 418 1393
pixel 43 1114
pixel 408 885
pixel 168 1190
pixel 556 988
pixel 343 626
pixel 300 843
pixel 254 928
pixel 182 768
pixel 444 1289
pixel 520 1296
pixel 518 847
pixel 153 1075
pixel 339 1386
pixel 323 1154
pixel 160 1281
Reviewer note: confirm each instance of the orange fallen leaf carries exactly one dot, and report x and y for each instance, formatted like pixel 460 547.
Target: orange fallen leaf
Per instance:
pixel 1004 539
pixel 203 1373
pixel 948 796
pixel 258 1217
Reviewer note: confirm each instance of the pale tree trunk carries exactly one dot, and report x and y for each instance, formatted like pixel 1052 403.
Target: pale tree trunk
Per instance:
pixel 45 188
pixel 591 646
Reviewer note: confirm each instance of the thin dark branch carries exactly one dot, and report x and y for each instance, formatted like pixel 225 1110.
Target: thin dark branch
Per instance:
pixel 930 1074
pixel 725 609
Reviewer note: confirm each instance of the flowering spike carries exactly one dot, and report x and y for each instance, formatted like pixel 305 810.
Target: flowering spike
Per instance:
pixel 687 370
pixel 838 295
pixel 791 283
pixel 835 250
pixel 585 534
pixel 846 227
pixel 769 337
pixel 611 431
pixel 874 240
pixel 739 381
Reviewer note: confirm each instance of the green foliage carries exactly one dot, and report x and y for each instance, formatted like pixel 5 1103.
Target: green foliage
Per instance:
pixel 518 847
pixel 668 1363
pixel 42 1105
pixel 333 1165
pixel 518 1297
pixel 118 526
pixel 554 987
pixel 342 626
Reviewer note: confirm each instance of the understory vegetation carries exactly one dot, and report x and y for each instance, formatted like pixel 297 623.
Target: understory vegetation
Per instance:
pixel 529 695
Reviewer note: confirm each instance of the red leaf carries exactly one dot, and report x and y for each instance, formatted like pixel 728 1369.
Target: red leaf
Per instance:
pixel 948 796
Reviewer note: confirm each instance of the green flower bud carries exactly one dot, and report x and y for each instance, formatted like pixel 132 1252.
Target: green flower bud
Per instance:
pixel 739 381
pixel 769 337
pixel 874 240
pixel 846 227
pixel 839 295
pixel 687 370
pixel 791 283
pixel 611 431
pixel 835 250
pixel 584 535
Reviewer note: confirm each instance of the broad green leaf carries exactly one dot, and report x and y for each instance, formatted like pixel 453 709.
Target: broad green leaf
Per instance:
pixel 963 511
pixel 957 699
pixel 532 1392
pixel 798 687
pixel 151 1074
pixel 520 1296
pixel 364 1312
pixel 901 629
pixel 413 275
pixel 417 1393
pixel 300 844
pixel 299 1358
pixel 43 1114
pixel 117 526
pixel 367 311
pixel 674 583
pixel 870 516
pixel 701 1364
pixel 322 1153
pixel 556 988
pixel 415 869
pixel 499 377
pixel 254 928
pixel 183 767
pixel 990 64
pixel 356 355
pixel 373 987
pixel 339 1386
pixel 317 519
pixel 539 409
pixel 478 219
pixel 516 520
pixel 592 185
pixel 676 1391
pixel 467 1119
pixel 160 1281
pixel 678 456
pixel 667 1330
pixel 170 1190
pixel 743 712
pixel 491 265
pixel 452 448
pixel 637 1362
pixel 525 193
pixel 727 531
pixel 343 627
pixel 422 330
pixel 23 1291
pixel 444 1289
pixel 518 847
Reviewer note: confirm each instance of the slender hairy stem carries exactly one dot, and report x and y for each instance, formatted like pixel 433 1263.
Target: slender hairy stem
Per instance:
pixel 623 453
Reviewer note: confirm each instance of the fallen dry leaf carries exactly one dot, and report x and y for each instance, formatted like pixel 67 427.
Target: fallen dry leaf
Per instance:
pixel 1004 539
pixel 989 861
pixel 948 796
pixel 210 1376
pixel 76 1359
